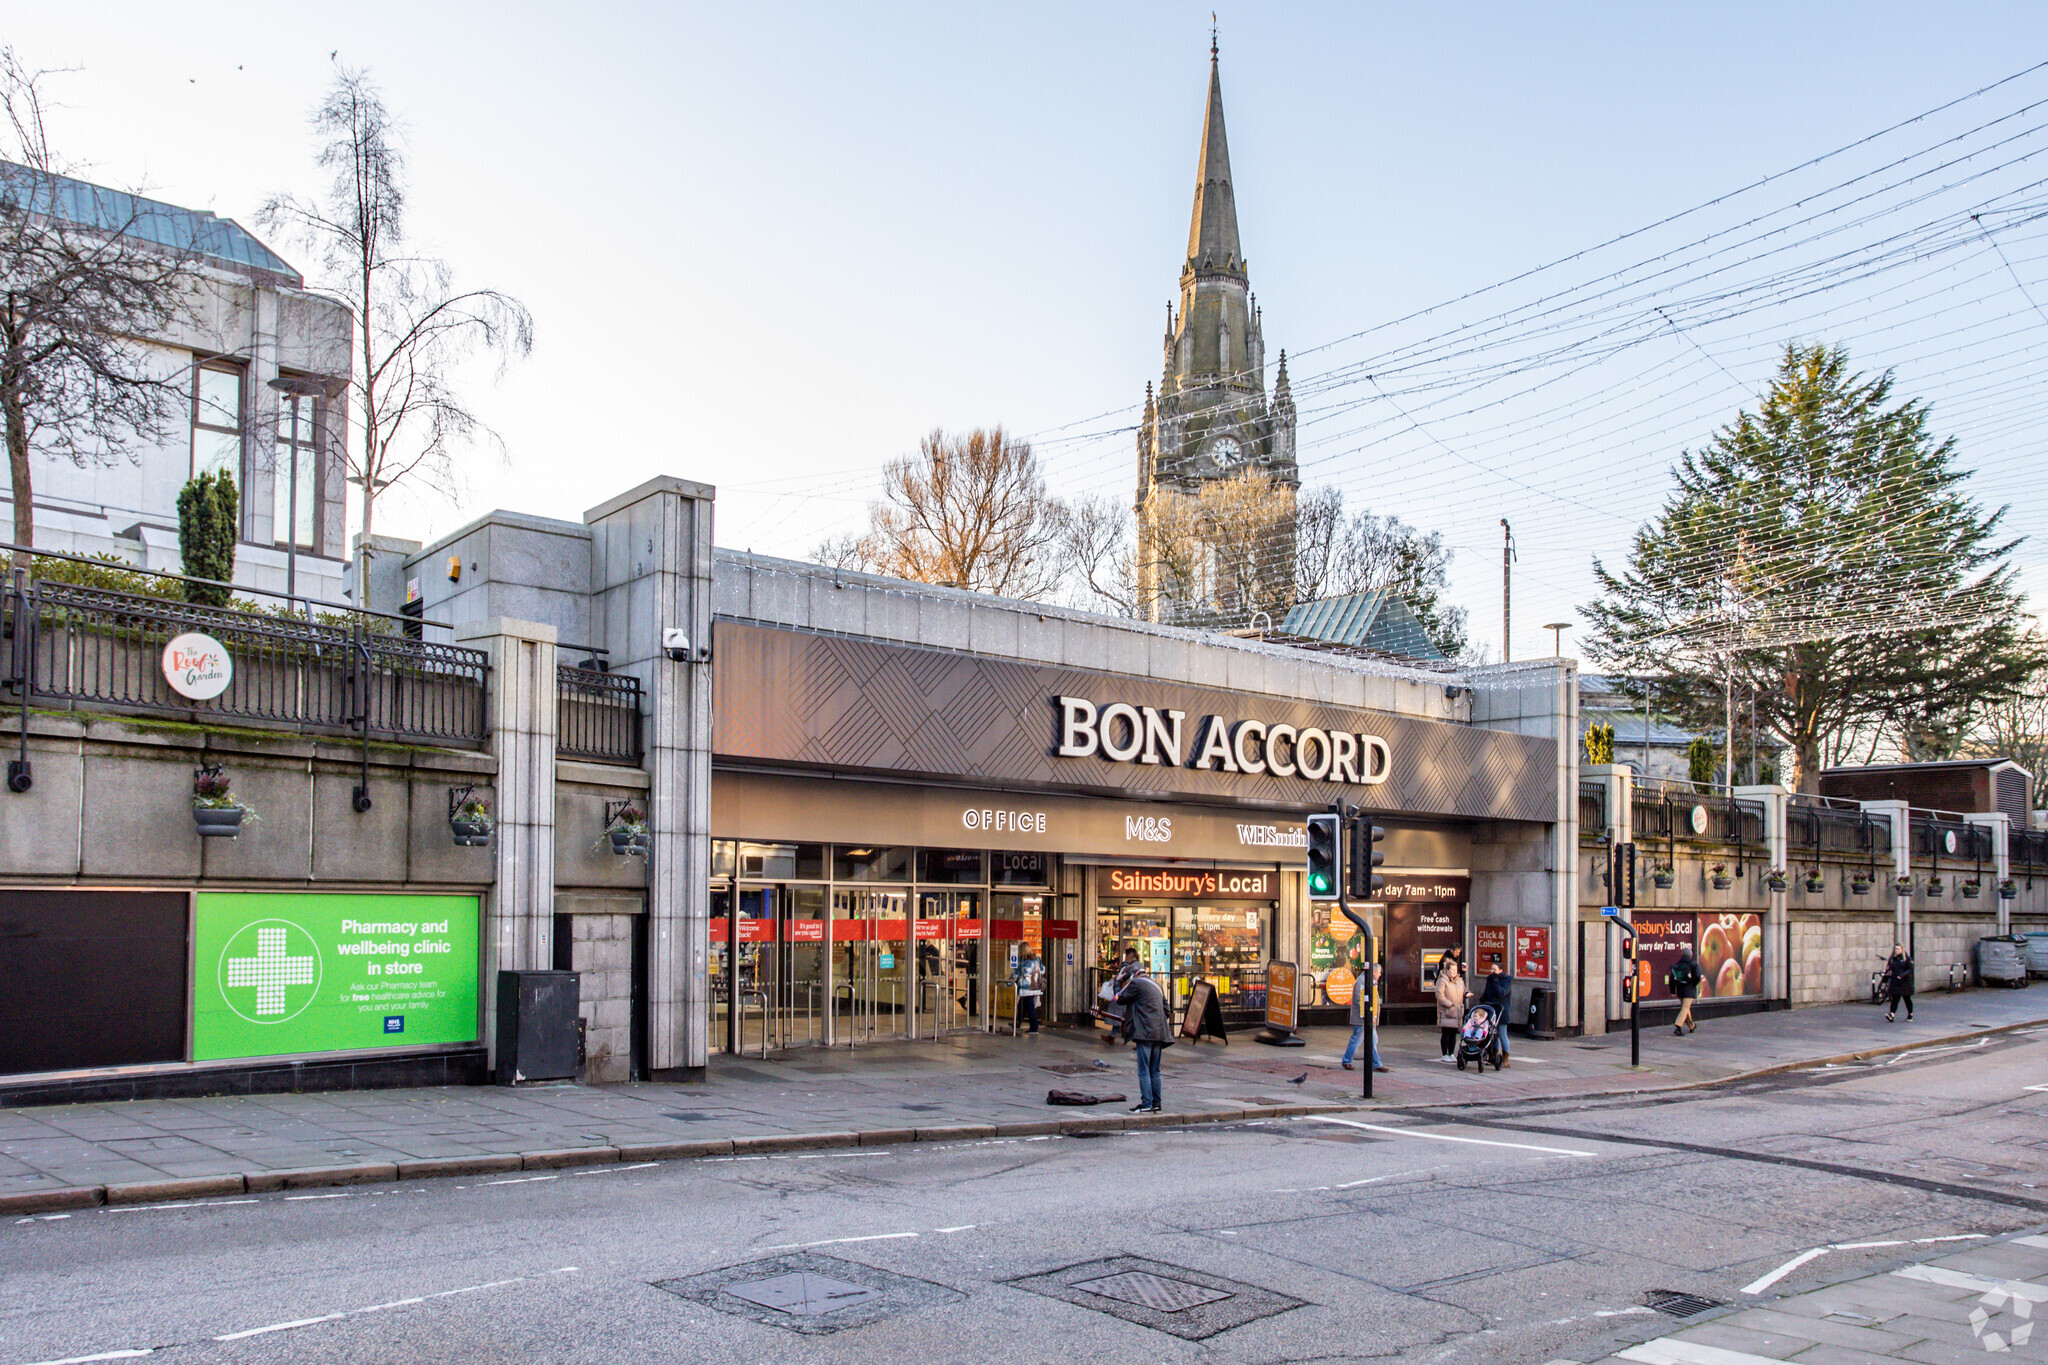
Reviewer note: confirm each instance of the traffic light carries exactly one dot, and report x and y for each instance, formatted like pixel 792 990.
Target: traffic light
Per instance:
pixel 1325 852
pixel 1365 883
pixel 1622 882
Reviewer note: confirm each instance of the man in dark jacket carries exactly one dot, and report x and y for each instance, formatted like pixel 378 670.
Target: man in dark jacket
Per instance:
pixel 1898 982
pixel 1500 994
pixel 1149 1024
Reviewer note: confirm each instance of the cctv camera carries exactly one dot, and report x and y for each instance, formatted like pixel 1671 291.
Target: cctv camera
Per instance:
pixel 675 642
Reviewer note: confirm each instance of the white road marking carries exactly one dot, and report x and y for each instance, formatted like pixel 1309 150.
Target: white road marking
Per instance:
pixel 1758 1286
pixel 2040 1243
pixel 840 1241
pixel 1930 1051
pixel 194 1204
pixel 294 1198
pixel 1981 1284
pixel 1672 1351
pixel 964 1227
pixel 311 1322
pixel 281 1327
pixel 2035 1087
pixel 614 1170
pixel 521 1180
pixel 1447 1137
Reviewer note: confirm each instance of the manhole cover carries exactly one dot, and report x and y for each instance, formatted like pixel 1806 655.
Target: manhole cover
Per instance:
pixel 803 1293
pixel 1677 1303
pixel 809 1293
pixel 1152 1291
pixel 1181 1302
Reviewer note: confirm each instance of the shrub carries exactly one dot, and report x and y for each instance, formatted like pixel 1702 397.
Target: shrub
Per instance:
pixel 209 517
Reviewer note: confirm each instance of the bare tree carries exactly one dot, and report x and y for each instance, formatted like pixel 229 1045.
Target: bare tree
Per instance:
pixel 413 328
pixel 86 282
pixel 1338 555
pixel 2016 727
pixel 970 511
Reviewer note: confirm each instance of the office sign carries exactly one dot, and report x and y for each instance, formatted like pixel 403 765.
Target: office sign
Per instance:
pixel 277 973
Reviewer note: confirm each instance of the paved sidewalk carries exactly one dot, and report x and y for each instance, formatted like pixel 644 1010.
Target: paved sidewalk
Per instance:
pixel 1970 1304
pixel 967 1087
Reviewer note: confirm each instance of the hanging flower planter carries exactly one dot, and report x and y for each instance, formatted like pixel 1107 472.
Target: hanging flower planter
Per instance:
pixel 1718 874
pixel 2008 890
pixel 1902 886
pixel 1972 889
pixel 215 811
pixel 1859 886
pixel 1815 883
pixel 1935 886
pixel 1661 876
pixel 469 818
pixel 626 828
pixel 1777 879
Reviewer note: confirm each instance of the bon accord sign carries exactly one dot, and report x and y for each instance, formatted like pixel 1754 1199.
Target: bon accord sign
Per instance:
pixel 830 703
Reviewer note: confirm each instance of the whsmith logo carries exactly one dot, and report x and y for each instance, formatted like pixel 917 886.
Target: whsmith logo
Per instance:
pixel 1271 836
pixel 1123 733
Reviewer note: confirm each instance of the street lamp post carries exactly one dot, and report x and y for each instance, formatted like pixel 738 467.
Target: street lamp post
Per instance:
pixel 1557 630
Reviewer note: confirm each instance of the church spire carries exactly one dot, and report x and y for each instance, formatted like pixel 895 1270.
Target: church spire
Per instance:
pixel 1212 232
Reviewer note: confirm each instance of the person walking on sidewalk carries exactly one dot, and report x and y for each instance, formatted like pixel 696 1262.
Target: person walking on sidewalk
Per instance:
pixel 1450 1006
pixel 1500 995
pixel 1149 1024
pixel 1358 1024
pixel 1029 982
pixel 1898 982
pixel 1684 980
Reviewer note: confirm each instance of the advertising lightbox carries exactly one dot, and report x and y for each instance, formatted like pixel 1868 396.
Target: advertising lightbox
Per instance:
pixel 276 973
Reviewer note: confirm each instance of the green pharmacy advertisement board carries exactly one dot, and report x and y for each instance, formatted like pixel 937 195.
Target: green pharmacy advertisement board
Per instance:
pixel 275 973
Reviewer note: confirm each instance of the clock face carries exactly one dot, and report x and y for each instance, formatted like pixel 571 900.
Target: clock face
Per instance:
pixel 1227 451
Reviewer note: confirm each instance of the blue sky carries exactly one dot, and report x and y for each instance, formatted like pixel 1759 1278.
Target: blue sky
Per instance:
pixel 767 246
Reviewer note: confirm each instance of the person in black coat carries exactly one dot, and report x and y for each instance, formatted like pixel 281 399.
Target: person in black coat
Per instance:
pixel 1500 994
pixel 1898 982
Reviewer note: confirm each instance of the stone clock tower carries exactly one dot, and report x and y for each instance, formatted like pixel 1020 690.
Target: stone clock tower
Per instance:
pixel 1210 424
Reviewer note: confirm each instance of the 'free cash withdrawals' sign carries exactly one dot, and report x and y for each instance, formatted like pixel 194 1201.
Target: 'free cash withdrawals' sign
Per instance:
pixel 285 972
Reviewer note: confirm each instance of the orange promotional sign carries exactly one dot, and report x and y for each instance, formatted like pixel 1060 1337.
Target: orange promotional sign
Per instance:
pixel 1282 1010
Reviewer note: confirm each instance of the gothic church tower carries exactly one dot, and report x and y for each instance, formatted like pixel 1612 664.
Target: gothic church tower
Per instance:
pixel 1211 427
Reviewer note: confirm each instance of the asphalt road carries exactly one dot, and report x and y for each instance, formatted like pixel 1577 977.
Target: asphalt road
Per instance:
pixel 1522 1233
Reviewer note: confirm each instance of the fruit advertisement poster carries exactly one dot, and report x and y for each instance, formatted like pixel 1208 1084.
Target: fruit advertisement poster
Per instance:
pixel 1660 936
pixel 1731 955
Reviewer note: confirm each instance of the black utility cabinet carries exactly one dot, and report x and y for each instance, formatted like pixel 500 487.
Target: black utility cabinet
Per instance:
pixel 537 1026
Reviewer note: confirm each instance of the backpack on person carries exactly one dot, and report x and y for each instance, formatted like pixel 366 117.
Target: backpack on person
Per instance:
pixel 1683 975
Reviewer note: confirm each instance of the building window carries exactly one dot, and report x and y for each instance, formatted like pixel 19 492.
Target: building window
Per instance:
pixel 217 421
pixel 296 524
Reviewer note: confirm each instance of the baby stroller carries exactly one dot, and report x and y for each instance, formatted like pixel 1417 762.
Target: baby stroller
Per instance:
pixel 1479 1039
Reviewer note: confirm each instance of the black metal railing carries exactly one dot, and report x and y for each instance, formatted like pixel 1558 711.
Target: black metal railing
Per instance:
pixel 100 649
pixel 1819 824
pixel 1592 810
pixel 597 715
pixel 1941 837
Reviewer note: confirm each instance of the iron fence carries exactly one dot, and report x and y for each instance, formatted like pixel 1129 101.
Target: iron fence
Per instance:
pixel 1818 824
pixel 1592 811
pixel 597 714
pixel 100 649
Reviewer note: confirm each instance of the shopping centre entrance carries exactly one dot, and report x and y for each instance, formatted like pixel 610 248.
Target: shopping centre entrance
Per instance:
pixel 838 960
pixel 1222 932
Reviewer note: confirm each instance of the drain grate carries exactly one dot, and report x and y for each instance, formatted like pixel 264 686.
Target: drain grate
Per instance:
pixel 809 1293
pixel 1677 1303
pixel 803 1293
pixel 1181 1302
pixel 1155 1292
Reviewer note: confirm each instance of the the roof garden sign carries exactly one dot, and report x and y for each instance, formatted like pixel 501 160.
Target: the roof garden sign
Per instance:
pixel 197 666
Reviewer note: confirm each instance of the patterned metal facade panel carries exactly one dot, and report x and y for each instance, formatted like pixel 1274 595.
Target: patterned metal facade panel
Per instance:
pixel 795 699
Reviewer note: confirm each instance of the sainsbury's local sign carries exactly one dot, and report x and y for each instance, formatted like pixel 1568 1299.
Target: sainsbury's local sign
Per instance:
pixel 1122 733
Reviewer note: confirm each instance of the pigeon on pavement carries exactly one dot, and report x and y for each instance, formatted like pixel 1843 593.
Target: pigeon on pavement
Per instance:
pixel 1299 1079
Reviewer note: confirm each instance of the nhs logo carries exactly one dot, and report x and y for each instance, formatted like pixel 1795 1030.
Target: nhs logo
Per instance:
pixel 394 1023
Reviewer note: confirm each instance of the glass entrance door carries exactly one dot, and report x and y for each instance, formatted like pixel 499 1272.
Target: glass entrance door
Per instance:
pixel 753 972
pixel 871 970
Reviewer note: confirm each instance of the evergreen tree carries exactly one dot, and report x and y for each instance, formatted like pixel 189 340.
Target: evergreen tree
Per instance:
pixel 1820 555
pixel 209 511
